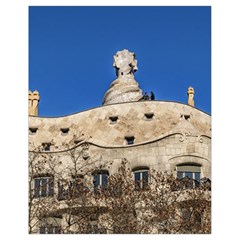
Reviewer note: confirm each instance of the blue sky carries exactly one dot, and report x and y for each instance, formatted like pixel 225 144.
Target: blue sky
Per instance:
pixel 71 53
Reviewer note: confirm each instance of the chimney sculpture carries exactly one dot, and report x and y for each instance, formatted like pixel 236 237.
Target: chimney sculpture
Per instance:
pixel 33 99
pixel 125 88
pixel 191 96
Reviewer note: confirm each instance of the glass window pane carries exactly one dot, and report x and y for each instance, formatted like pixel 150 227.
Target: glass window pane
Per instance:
pixel 137 179
pixel 189 174
pixel 51 187
pixel 43 187
pixel 104 179
pixel 36 187
pixel 179 175
pixel 96 182
pixel 130 141
pixel 137 176
pixel 197 176
pixel 144 179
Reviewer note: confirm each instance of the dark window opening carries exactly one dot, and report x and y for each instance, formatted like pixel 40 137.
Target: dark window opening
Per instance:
pixel 46 147
pixel 100 181
pixel 129 140
pixel 43 186
pixel 64 131
pixel 141 179
pixel 33 130
pixel 113 119
pixel 148 116
pixel 186 117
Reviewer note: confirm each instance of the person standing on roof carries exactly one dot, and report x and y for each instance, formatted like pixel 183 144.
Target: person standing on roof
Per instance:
pixel 152 97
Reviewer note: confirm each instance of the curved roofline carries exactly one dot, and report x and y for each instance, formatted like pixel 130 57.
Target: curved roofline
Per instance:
pixel 166 101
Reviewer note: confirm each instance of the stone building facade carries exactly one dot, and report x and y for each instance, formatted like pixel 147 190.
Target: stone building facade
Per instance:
pixel 149 134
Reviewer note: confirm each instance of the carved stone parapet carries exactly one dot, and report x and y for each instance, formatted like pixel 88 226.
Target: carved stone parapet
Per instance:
pixel 185 135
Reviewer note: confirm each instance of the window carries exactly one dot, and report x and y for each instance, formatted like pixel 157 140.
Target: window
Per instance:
pixel 33 130
pixel 50 230
pixel 100 180
pixel 113 119
pixel 50 225
pixel 46 147
pixel 43 186
pixel 141 179
pixel 148 116
pixel 190 171
pixel 129 140
pixel 64 131
pixel 185 116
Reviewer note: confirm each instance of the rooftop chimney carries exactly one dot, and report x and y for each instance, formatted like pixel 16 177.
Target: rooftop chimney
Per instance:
pixel 33 99
pixel 191 96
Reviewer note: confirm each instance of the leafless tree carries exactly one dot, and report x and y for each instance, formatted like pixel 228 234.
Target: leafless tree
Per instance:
pixel 64 199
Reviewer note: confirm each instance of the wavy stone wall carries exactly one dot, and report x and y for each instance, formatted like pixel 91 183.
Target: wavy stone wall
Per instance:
pixel 95 125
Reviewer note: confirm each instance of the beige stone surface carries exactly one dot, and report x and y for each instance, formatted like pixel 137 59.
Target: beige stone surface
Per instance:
pixel 176 134
pixel 95 125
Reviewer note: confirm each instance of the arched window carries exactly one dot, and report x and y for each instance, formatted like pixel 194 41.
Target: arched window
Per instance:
pixel 43 186
pixel 191 171
pixel 141 178
pixel 100 180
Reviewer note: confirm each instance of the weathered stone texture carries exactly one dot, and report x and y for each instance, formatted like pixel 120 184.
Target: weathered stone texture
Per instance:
pixel 95 123
pixel 160 143
pixel 125 88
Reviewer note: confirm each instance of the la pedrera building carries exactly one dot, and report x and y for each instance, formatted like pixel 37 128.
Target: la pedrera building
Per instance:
pixel 72 159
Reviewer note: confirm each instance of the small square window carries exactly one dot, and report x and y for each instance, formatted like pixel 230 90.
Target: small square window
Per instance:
pixel 33 130
pixel 46 147
pixel 129 140
pixel 64 131
pixel 185 116
pixel 113 119
pixel 148 116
